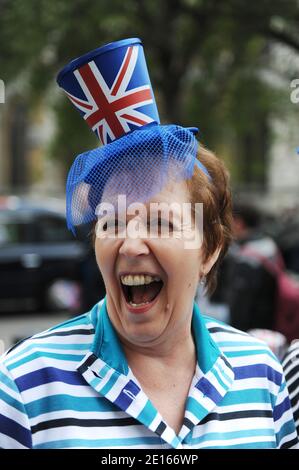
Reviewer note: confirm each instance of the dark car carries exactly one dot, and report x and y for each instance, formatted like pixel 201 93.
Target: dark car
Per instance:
pixel 42 266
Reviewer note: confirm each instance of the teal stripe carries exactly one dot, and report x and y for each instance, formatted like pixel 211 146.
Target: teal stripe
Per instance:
pixel 282 387
pixel 37 355
pixel 239 343
pixel 41 346
pixel 246 445
pixel 94 382
pixel 195 408
pixel 94 313
pixel 107 387
pixel 249 353
pixel 219 379
pixel 107 443
pixel 11 401
pixel 215 436
pixel 67 402
pixel 78 346
pixel 105 369
pixel 6 380
pixel 175 442
pixel 246 396
pixel 286 429
pixel 148 414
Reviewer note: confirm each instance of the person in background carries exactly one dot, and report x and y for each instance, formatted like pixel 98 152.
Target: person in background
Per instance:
pixel 249 234
pixel 92 284
pixel 245 285
pixel 290 365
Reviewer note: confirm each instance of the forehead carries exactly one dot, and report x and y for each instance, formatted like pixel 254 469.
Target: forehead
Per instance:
pixel 172 191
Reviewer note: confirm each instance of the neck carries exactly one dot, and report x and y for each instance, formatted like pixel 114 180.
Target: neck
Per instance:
pixel 176 353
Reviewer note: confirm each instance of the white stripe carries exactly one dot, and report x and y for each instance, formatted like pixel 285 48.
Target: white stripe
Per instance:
pixel 116 388
pixel 282 396
pixel 15 415
pixel 233 425
pixel 240 407
pixel 156 421
pixel 107 132
pixel 101 81
pixel 291 367
pixel 41 363
pixel 168 434
pixel 241 440
pixel 252 360
pixel 78 105
pixel 65 329
pixel 137 404
pixel 217 385
pixel 9 391
pixel 78 415
pixel 128 74
pixel 289 438
pixel 57 388
pixel 84 339
pixel 254 383
pixel 238 347
pixel 92 433
pixel 102 382
pixel 7 442
pixel 40 349
pixel 87 93
pixel 130 110
pixel 285 417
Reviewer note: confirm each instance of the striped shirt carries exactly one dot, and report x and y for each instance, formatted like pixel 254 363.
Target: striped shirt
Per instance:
pixel 71 387
pixel 291 368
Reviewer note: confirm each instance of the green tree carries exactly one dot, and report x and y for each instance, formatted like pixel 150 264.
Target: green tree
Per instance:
pixel 205 57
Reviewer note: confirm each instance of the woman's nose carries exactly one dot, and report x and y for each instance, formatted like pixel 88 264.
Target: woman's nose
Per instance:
pixel 134 247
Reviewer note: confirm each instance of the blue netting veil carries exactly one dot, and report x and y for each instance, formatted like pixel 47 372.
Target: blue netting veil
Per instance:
pixel 138 165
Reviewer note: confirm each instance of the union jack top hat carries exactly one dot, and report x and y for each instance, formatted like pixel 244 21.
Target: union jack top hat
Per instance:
pixel 110 86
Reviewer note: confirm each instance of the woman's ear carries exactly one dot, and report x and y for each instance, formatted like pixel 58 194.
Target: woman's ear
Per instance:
pixel 209 263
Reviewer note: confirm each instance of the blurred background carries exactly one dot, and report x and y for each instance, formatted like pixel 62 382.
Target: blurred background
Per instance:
pixel 229 67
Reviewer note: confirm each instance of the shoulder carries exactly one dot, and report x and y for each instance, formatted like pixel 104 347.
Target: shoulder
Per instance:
pixel 242 349
pixel 62 346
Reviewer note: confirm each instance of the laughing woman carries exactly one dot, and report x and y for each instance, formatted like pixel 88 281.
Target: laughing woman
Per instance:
pixel 144 368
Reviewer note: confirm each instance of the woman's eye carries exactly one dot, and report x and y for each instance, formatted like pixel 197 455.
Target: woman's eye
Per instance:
pixel 113 224
pixel 161 223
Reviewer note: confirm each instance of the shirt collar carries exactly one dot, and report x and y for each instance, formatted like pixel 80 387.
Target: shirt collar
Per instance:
pixel 106 344
pixel 105 368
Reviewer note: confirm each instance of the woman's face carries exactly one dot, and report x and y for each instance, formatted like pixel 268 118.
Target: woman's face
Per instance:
pixel 150 281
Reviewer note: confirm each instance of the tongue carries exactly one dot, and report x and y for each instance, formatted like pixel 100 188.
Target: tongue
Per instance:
pixel 145 293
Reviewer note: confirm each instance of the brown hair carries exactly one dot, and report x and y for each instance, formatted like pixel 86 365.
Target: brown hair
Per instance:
pixel 215 195
pixel 217 209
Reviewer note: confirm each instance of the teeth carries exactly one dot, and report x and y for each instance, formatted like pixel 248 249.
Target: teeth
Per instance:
pixel 139 305
pixel 138 279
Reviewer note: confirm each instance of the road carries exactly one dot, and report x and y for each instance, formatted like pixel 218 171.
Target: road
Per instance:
pixel 14 327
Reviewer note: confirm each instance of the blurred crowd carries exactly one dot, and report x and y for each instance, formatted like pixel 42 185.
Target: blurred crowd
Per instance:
pixel 258 287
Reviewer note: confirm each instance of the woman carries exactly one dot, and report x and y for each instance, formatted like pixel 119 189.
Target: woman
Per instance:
pixel 155 375
pixel 144 368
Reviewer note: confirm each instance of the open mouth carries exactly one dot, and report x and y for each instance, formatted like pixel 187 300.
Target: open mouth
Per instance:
pixel 141 289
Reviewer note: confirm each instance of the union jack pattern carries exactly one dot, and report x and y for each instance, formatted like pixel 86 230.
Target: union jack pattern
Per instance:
pixel 110 110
